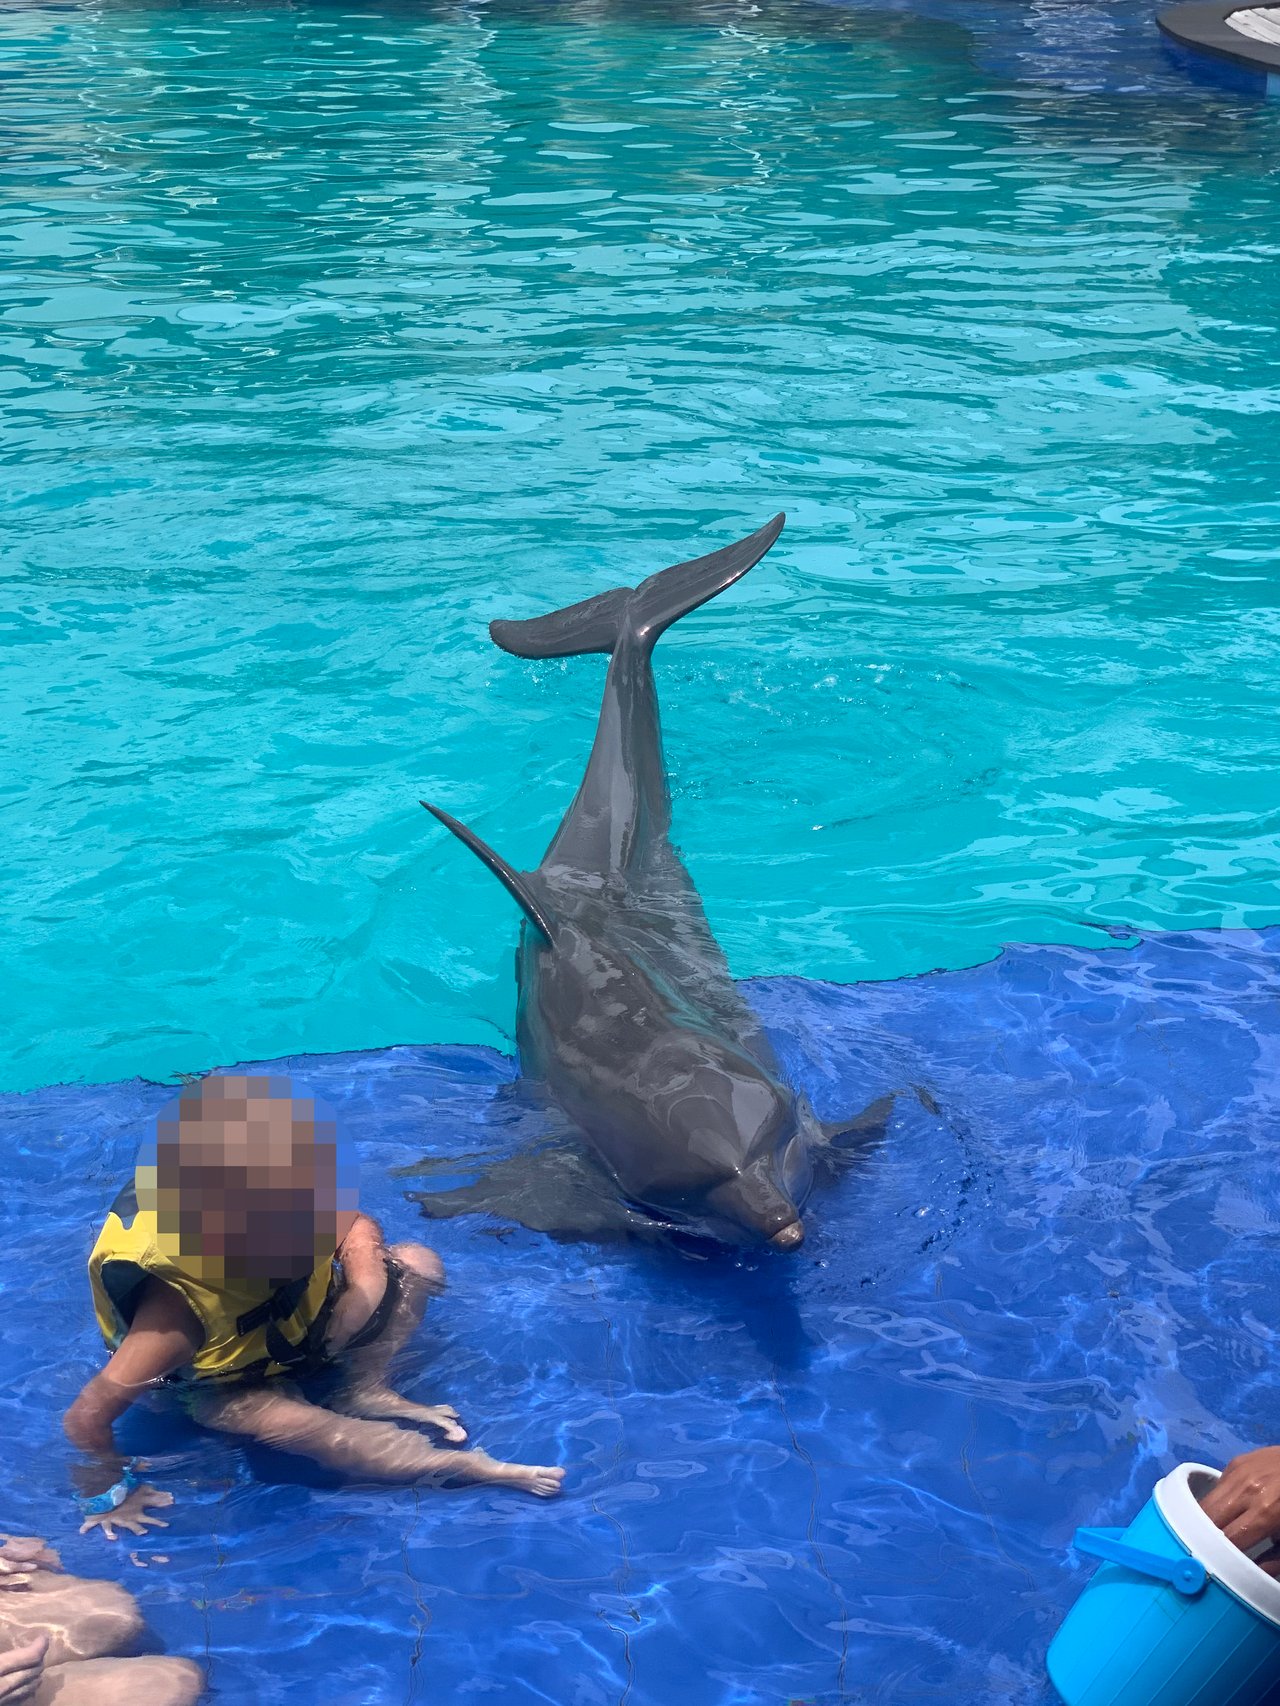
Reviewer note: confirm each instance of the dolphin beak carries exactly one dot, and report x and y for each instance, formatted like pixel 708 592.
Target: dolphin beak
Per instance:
pixel 790 1238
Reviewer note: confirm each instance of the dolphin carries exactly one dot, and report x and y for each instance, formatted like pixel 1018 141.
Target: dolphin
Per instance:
pixel 628 1018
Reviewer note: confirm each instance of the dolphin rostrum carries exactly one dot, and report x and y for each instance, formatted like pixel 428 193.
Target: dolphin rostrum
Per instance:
pixel 628 1017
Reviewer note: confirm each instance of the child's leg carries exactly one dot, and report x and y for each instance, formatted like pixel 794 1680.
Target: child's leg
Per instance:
pixel 377 1451
pixel 364 1391
pixel 121 1682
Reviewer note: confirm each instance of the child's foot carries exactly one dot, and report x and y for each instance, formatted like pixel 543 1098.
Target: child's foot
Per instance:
pixel 542 1482
pixel 381 1404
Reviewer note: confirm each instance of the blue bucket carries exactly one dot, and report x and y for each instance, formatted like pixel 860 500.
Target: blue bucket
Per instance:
pixel 1176 1616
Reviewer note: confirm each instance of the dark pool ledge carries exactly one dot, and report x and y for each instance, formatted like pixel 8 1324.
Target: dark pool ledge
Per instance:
pixel 1203 29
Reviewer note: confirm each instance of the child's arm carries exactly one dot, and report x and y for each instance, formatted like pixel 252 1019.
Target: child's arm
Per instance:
pixel 364 1275
pixel 164 1336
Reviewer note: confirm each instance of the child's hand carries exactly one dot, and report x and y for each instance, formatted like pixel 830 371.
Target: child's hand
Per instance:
pixel 20 1556
pixel 20 1671
pixel 131 1514
pixel 30 1550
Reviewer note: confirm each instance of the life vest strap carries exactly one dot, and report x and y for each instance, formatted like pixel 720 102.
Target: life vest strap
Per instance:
pixel 282 1303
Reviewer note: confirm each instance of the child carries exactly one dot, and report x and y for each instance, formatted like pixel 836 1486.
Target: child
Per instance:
pixel 238 1261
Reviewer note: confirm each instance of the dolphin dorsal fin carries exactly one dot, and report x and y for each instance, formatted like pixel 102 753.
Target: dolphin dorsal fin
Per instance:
pixel 515 882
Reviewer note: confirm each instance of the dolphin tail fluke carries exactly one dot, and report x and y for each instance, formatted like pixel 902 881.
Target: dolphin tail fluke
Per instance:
pixel 667 596
pixel 644 613
pixel 592 626
pixel 516 883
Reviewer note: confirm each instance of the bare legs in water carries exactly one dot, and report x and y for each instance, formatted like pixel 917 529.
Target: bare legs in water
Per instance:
pixel 59 1641
pixel 358 1434
pixel 364 1391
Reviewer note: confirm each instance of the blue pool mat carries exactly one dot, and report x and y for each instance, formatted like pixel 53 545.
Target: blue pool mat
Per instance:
pixel 848 1475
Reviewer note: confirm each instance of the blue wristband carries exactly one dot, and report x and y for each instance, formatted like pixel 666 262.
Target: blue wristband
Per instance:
pixel 103 1503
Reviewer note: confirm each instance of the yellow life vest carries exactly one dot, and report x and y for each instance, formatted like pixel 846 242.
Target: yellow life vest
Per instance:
pixel 250 1331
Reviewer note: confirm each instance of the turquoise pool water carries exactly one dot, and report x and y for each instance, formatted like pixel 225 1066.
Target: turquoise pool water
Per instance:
pixel 327 333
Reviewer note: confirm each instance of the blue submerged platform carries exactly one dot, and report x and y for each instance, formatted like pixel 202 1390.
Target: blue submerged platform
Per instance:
pixel 850 1474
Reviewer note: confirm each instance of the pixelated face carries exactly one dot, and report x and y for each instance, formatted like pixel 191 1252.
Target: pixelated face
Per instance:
pixel 250 1182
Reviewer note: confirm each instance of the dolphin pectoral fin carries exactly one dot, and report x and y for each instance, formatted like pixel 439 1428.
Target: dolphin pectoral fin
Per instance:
pixel 864 1128
pixel 517 885
pixel 847 1144
pixel 554 1188
pixel 597 624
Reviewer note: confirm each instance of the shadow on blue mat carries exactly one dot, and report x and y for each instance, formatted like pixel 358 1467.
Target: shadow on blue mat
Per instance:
pixel 847 1475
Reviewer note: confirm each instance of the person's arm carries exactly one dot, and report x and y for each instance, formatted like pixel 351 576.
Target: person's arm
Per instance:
pixel 364 1279
pixel 1245 1503
pixel 164 1336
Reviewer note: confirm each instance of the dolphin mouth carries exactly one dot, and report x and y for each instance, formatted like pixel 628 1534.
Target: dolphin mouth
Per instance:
pixel 790 1238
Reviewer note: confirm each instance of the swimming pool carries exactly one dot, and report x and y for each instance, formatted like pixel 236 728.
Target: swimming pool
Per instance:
pixel 329 334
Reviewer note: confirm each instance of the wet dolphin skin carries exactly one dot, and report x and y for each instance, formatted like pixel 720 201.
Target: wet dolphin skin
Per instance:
pixel 628 1017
